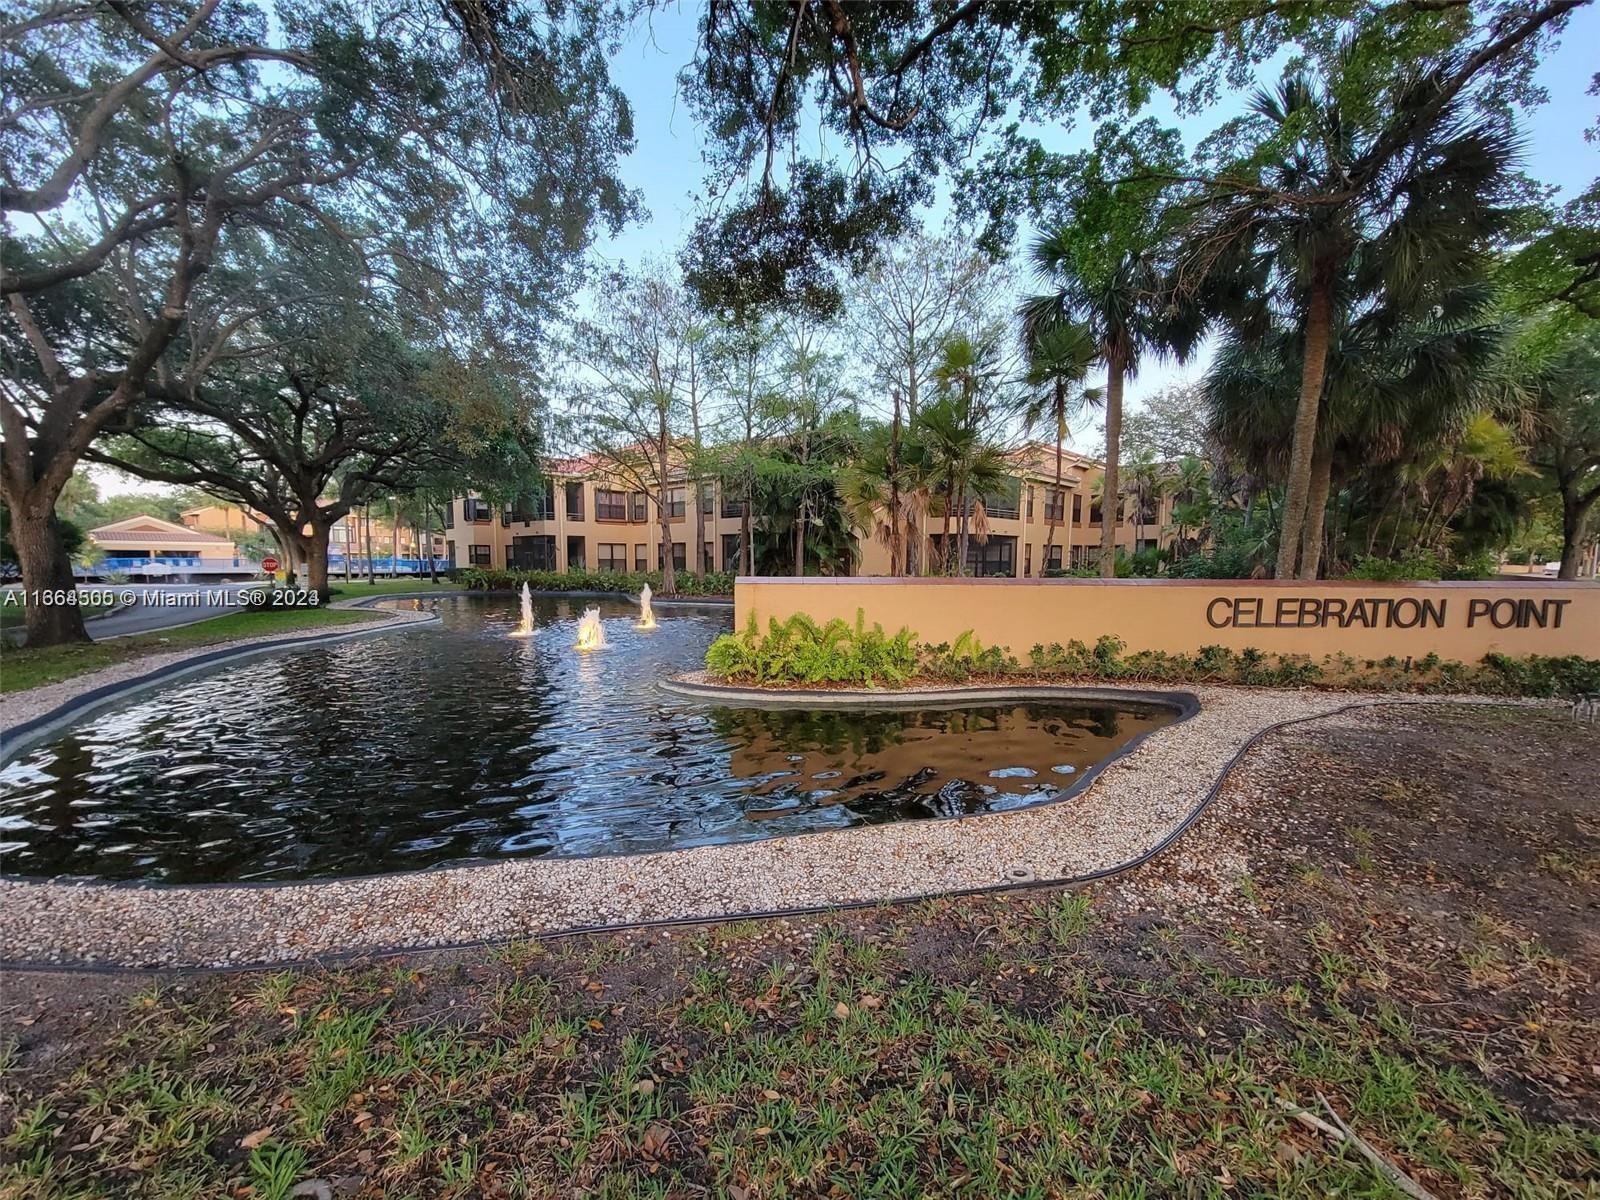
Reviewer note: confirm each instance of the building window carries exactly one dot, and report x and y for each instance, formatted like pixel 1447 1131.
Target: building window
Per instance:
pixel 575 555
pixel 996 557
pixel 538 505
pixel 710 563
pixel 636 508
pixel 1055 505
pixel 680 559
pixel 641 562
pixel 449 516
pixel 480 556
pixel 675 504
pixel 708 498
pixel 575 500
pixel 535 552
pixel 612 556
pixel 474 509
pixel 732 508
pixel 610 506
pixel 1077 510
pixel 450 552
pixel 1095 513
pixel 1027 553
pixel 1052 560
pixel 732 560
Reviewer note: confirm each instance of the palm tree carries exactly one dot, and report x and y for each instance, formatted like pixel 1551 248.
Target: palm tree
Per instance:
pixel 1403 180
pixel 1395 384
pixel 965 370
pixel 886 489
pixel 1059 356
pixel 1146 483
pixel 1129 311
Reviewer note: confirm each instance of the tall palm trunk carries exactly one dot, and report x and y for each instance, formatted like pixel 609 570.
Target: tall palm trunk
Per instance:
pixel 1296 501
pixel 427 538
pixel 895 529
pixel 1316 513
pixel 371 577
pixel 944 539
pixel 964 522
pixel 1110 493
pixel 669 578
pixel 1060 407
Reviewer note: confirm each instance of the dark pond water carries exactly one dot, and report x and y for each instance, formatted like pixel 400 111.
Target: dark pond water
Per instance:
pixel 458 742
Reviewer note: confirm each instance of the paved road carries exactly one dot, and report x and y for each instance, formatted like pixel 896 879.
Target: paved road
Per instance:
pixel 159 606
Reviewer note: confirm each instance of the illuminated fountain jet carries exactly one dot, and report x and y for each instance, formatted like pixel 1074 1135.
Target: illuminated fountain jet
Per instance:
pixel 647 619
pixel 591 634
pixel 524 627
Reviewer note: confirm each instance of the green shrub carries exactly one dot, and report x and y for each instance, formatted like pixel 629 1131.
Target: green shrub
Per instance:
pixel 799 651
pixel 1423 565
pixel 713 583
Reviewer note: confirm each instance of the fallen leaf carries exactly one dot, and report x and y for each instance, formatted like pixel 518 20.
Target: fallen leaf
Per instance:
pixel 253 1139
pixel 644 1087
pixel 841 1010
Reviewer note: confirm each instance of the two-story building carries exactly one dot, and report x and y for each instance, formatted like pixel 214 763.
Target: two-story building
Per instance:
pixel 584 518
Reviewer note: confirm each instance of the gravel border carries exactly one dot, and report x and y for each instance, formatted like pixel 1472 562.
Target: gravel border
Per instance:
pixel 1140 804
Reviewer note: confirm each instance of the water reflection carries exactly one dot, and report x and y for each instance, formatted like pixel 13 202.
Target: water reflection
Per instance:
pixel 458 742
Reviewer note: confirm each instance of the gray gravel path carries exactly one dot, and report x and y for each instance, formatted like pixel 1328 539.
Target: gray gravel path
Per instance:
pixel 1135 803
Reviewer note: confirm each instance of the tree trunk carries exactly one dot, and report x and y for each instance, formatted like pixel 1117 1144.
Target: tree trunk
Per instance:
pixel 1049 525
pixel 1110 490
pixel 316 554
pixel 46 569
pixel 669 576
pixel 1573 511
pixel 1316 514
pixel 700 530
pixel 747 551
pixel 367 534
pixel 963 524
pixel 800 542
pixel 944 539
pixel 896 562
pixel 427 537
pixel 1296 501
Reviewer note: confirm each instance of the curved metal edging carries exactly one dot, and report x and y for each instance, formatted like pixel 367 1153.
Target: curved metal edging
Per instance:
pixel 692 922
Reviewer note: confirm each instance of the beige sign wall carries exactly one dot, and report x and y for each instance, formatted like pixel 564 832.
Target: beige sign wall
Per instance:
pixel 1462 621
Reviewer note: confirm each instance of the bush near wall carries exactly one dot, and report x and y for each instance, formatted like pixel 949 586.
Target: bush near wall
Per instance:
pixel 713 583
pixel 799 652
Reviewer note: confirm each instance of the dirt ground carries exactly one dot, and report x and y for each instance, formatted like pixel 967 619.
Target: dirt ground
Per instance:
pixel 1397 909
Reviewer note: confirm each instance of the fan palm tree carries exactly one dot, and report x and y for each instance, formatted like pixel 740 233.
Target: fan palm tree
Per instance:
pixel 1394 384
pixel 1059 355
pixel 886 490
pixel 1403 181
pixel 1129 312
pixel 964 465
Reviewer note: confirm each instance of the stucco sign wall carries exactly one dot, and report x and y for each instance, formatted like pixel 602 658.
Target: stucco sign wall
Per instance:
pixel 1461 621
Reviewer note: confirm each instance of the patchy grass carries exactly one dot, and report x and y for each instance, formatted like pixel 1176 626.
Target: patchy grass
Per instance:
pixel 1147 1037
pixel 23 668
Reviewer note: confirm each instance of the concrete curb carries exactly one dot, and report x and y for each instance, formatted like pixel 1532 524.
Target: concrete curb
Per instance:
pixel 25 735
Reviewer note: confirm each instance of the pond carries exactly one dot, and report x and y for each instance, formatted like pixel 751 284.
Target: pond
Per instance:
pixel 457 742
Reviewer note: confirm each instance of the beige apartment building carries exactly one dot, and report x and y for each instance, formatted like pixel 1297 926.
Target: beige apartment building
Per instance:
pixel 584 519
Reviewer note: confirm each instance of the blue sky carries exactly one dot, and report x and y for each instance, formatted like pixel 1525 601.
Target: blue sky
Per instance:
pixel 666 164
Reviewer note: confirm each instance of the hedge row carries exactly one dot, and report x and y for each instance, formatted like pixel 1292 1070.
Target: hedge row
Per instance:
pixel 801 652
pixel 713 583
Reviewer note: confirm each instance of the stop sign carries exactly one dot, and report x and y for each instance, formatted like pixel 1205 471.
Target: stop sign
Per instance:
pixel 269 564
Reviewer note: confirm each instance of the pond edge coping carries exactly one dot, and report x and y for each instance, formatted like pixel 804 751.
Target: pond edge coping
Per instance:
pixel 25 735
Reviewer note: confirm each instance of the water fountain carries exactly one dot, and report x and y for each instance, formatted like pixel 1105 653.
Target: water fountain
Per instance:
pixel 591 634
pixel 524 627
pixel 647 619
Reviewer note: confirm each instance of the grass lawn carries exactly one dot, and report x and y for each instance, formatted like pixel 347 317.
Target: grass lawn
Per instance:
pixel 12 616
pixel 1404 944
pixel 22 668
